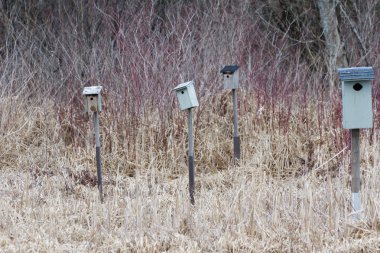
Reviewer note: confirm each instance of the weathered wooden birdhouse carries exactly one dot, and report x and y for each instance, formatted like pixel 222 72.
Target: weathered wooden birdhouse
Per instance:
pixel 356 97
pixel 92 99
pixel 186 95
pixel 230 76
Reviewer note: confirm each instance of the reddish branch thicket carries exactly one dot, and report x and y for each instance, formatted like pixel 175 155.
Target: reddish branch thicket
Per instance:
pixel 139 51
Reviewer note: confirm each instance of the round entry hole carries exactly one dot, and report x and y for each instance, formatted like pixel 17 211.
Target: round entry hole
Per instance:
pixel 357 86
pixel 182 92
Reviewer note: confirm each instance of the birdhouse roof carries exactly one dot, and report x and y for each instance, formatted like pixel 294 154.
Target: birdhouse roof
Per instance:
pixel 92 90
pixel 183 85
pixel 359 73
pixel 229 69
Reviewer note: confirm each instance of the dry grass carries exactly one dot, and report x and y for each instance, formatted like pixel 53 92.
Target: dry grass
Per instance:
pixel 284 196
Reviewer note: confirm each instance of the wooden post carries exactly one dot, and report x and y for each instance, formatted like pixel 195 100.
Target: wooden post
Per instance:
pixel 236 130
pixel 98 161
pixel 355 167
pixel 191 158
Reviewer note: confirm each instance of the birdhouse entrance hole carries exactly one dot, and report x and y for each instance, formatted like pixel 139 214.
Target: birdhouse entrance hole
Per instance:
pixel 358 87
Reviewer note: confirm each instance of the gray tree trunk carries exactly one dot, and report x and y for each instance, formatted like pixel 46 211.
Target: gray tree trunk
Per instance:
pixel 334 46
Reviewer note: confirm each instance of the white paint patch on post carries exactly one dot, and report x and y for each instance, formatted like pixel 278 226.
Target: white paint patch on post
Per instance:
pixel 355 167
pixel 356 206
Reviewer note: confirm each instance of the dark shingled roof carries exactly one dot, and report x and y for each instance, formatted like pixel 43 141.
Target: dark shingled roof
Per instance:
pixel 359 73
pixel 229 69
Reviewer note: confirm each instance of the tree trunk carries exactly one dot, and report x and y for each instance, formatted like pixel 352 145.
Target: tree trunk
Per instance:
pixel 334 47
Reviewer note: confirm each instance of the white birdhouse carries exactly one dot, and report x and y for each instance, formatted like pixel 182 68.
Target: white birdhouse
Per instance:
pixel 356 97
pixel 92 99
pixel 230 76
pixel 186 95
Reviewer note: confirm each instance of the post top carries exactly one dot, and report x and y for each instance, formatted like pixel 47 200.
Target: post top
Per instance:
pixel 358 73
pixel 183 85
pixel 229 69
pixel 92 90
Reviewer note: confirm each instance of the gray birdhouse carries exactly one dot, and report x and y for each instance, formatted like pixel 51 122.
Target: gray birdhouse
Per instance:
pixel 186 95
pixel 356 97
pixel 230 76
pixel 92 99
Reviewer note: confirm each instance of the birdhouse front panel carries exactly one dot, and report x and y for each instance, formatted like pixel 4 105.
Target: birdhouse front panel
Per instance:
pixel 183 99
pixel 231 81
pixel 230 76
pixel 357 104
pixel 92 102
pixel 92 99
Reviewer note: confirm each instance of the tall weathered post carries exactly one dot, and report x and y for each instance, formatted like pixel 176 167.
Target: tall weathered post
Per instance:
pixel 357 114
pixel 231 81
pixel 93 103
pixel 187 100
pixel 191 157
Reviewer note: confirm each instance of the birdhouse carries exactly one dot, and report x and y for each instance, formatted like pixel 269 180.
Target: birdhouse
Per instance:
pixel 356 97
pixel 92 99
pixel 230 76
pixel 186 95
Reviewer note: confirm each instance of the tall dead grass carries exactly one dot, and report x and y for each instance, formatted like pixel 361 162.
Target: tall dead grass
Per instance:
pixel 291 191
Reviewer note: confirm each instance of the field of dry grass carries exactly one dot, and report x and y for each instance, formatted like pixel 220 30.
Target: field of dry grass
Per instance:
pixel 289 193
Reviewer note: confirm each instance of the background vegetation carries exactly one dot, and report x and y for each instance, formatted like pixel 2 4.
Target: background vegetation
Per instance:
pixel 291 191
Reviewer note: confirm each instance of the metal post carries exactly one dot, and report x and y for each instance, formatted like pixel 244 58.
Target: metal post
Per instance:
pixel 191 158
pixel 236 131
pixel 98 161
pixel 355 167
